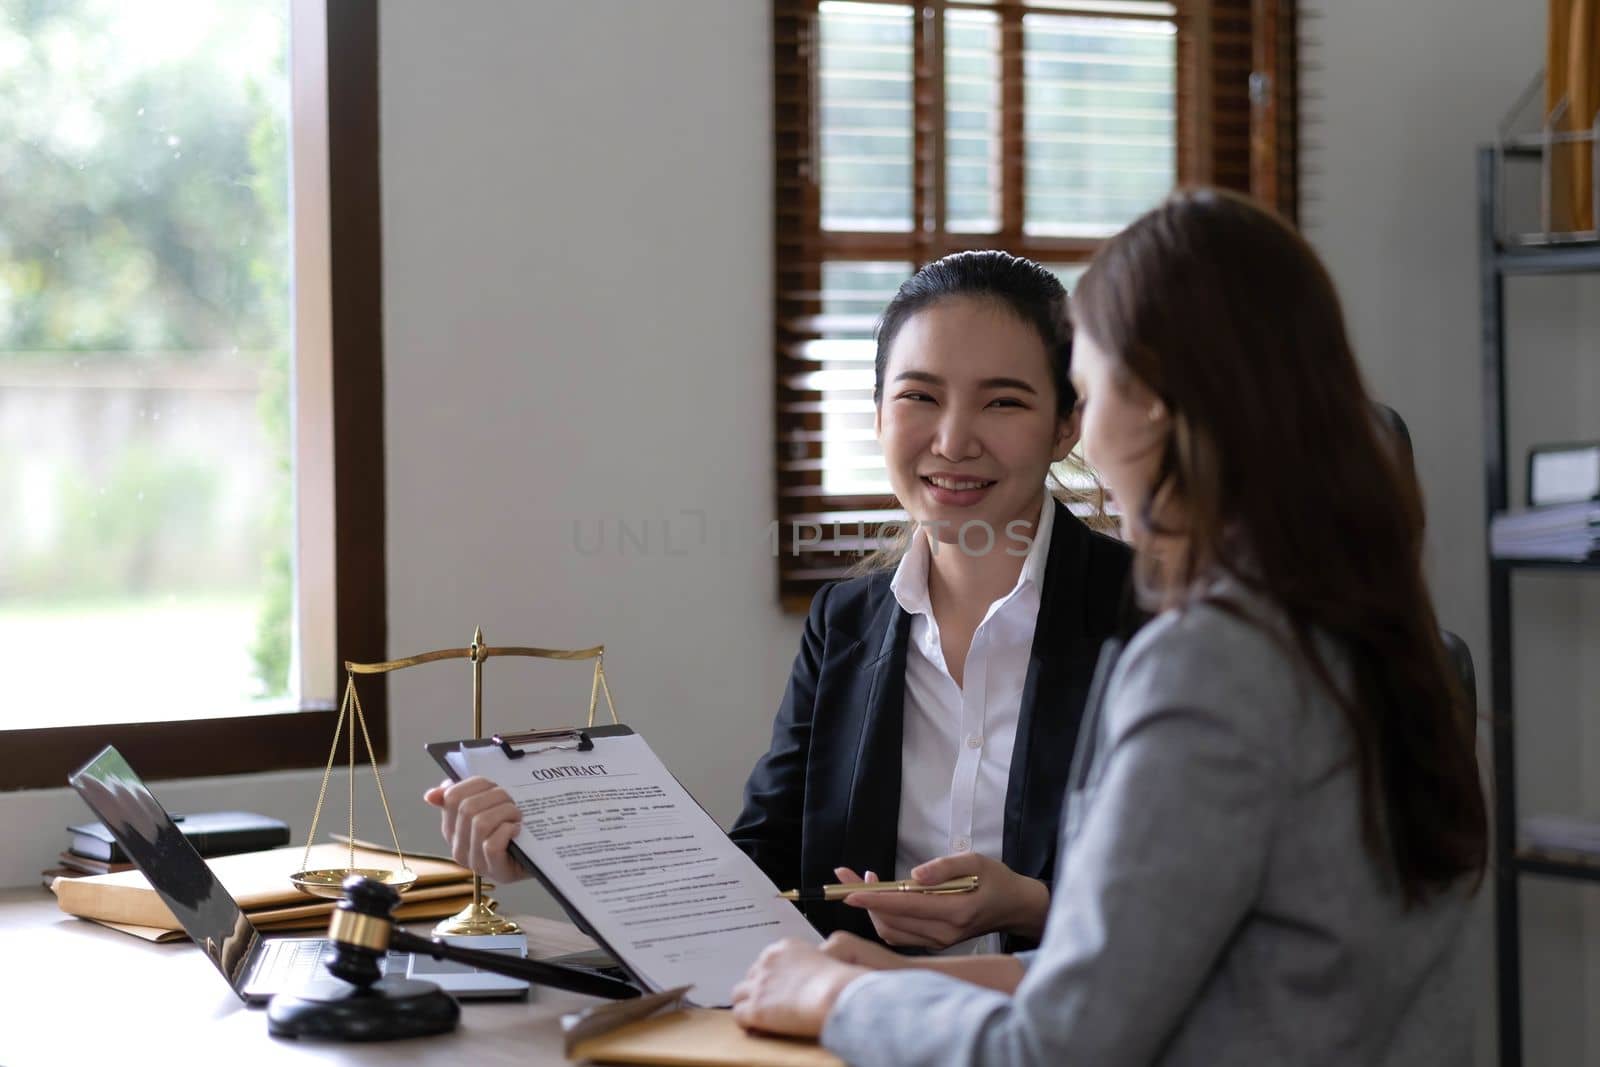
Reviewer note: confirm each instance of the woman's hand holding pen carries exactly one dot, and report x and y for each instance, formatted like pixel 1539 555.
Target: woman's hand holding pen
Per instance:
pixel 478 820
pixel 1004 901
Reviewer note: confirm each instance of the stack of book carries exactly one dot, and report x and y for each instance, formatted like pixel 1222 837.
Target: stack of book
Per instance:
pixel 1568 532
pixel 259 883
pixel 92 850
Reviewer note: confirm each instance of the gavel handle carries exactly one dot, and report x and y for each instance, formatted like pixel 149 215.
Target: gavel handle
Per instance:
pixel 536 971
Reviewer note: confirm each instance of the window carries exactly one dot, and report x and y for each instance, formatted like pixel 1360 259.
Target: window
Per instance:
pixel 904 132
pixel 189 324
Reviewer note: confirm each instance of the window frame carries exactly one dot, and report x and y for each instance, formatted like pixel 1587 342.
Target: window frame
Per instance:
pixel 1236 127
pixel 353 312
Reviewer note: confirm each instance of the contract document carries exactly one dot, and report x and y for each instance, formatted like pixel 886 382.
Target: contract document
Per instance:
pixel 635 860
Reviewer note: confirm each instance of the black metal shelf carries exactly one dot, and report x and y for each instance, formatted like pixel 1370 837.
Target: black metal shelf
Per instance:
pixel 1591 565
pixel 1524 150
pixel 1580 257
pixel 1496 262
pixel 1558 864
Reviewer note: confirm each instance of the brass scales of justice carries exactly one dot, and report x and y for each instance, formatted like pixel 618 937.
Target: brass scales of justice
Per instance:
pixel 479 917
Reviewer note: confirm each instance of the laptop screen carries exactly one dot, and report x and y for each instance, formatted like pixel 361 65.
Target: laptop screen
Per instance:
pixel 157 847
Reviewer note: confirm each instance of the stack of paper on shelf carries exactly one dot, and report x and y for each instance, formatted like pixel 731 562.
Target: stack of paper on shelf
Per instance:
pixel 259 881
pixel 1562 833
pixel 1559 532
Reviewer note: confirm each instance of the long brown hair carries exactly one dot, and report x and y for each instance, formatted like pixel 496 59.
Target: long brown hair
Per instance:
pixel 1285 482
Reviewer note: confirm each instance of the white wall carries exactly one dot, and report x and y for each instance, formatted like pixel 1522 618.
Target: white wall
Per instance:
pixel 1404 95
pixel 577 248
pixel 577 226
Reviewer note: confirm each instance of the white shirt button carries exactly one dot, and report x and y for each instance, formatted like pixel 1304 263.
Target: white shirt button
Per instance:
pixel 974 741
pixel 962 844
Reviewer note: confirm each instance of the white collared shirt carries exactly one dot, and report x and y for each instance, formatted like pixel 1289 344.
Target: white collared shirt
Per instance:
pixel 955 759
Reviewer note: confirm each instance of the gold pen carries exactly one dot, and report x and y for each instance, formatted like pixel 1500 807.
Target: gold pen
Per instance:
pixel 838 891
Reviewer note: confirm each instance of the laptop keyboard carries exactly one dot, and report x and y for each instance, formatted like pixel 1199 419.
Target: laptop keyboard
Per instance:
pixel 289 964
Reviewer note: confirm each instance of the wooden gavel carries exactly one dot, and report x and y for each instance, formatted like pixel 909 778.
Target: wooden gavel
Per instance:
pixel 362 931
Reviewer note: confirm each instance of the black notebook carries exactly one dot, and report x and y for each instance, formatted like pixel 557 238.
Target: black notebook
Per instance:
pixel 212 833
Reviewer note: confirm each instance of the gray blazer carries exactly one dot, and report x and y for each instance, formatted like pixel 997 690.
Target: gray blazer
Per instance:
pixel 1213 902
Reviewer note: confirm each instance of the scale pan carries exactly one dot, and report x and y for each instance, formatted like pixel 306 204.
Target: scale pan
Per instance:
pixel 329 882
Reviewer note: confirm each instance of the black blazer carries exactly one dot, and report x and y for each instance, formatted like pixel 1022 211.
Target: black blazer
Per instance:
pixel 827 793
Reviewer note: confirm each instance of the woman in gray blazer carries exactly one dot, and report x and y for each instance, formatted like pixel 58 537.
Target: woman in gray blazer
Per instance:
pixel 1274 824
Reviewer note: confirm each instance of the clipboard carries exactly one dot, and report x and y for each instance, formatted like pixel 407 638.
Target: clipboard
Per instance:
pixel 667 894
pixel 515 746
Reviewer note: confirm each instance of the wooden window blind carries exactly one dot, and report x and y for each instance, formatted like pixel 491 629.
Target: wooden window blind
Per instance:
pixel 903 132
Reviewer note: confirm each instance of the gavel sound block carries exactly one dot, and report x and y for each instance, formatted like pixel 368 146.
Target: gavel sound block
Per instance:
pixel 357 1003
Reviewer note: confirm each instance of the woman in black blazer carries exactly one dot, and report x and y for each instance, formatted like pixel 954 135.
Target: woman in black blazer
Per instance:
pixel 976 626
pixel 973 407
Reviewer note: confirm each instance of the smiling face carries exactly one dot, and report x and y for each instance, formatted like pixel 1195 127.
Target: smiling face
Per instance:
pixel 968 418
pixel 1125 426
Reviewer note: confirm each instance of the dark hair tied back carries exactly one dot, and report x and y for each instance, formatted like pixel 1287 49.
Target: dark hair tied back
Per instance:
pixel 1023 287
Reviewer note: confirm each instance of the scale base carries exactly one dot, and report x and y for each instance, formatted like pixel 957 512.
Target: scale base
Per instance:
pixel 476 919
pixel 391 1008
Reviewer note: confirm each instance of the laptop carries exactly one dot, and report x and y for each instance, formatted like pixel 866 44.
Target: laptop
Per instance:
pixel 256 966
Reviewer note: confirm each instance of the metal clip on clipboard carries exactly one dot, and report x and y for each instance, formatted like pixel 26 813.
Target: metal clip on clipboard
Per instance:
pixel 580 738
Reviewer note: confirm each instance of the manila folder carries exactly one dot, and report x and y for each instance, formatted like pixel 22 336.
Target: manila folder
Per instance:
pixel 699 1037
pixel 256 880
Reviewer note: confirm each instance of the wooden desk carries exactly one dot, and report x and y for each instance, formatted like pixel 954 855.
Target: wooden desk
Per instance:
pixel 72 992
